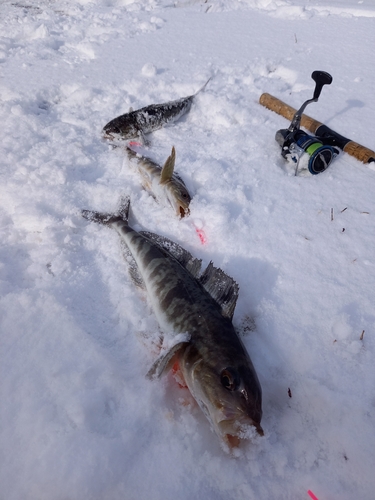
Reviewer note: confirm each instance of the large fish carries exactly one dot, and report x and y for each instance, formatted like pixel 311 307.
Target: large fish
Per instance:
pixel 195 309
pixel 167 187
pixel 145 120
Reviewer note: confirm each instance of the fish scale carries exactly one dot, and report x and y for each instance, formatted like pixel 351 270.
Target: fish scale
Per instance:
pixel 156 116
pixel 195 312
pixel 148 119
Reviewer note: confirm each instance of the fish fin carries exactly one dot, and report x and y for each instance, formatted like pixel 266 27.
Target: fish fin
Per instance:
pixel 166 360
pixel 143 139
pixel 99 217
pixel 135 275
pixel 134 156
pixel 108 219
pixel 222 288
pixel 203 87
pixel 133 270
pixel 184 257
pixel 168 167
pixel 194 267
pixel 131 153
pixel 138 155
pixel 124 206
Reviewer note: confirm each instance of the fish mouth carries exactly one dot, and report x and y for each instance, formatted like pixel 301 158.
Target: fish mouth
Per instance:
pixel 233 430
pixel 232 441
pixel 109 136
pixel 183 211
pixel 112 133
pixel 178 199
pixel 180 207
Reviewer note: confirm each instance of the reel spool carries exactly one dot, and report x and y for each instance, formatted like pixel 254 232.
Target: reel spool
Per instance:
pixel 303 148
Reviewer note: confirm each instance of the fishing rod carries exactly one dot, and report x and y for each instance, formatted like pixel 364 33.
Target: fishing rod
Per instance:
pixel 314 152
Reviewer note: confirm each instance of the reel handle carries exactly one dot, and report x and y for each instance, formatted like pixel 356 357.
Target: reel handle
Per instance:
pixel 320 78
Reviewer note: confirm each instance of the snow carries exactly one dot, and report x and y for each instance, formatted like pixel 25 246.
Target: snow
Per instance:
pixel 79 419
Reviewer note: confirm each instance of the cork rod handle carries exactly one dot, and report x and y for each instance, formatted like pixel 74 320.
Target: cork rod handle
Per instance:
pixel 354 149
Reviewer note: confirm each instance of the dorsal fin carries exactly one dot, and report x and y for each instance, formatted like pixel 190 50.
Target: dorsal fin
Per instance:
pixel 168 167
pixel 184 257
pixel 222 288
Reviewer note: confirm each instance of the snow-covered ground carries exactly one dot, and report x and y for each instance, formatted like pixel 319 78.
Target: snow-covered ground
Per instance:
pixel 79 420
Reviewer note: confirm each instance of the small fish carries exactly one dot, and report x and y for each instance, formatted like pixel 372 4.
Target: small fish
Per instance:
pixel 195 311
pixel 135 124
pixel 167 187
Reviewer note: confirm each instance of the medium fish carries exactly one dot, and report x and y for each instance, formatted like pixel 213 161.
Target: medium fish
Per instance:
pixel 195 310
pixel 167 187
pixel 148 119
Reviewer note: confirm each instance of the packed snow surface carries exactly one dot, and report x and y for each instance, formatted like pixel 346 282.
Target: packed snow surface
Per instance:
pixel 79 419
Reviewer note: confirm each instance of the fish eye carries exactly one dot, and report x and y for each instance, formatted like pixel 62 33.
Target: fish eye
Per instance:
pixel 230 379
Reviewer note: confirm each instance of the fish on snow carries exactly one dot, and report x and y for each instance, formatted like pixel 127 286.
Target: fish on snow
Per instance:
pixel 162 182
pixel 195 308
pixel 135 124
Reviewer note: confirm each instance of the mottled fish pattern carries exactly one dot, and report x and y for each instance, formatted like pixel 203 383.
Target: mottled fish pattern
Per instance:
pixel 148 119
pixel 199 306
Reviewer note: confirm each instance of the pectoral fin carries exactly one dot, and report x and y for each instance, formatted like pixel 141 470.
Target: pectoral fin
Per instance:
pixel 168 168
pixel 166 360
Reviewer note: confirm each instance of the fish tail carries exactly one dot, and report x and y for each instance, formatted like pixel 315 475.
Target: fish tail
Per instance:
pixel 123 211
pixel 132 153
pixel 203 87
pixel 108 219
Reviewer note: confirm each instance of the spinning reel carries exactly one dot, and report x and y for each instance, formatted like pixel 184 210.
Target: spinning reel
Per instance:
pixel 304 149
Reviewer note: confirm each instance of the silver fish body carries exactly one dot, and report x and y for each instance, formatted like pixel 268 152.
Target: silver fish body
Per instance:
pixel 162 182
pixel 196 308
pixel 148 119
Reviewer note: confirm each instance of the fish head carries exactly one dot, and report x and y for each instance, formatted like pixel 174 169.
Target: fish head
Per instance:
pixel 111 131
pixel 229 395
pixel 120 128
pixel 178 197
